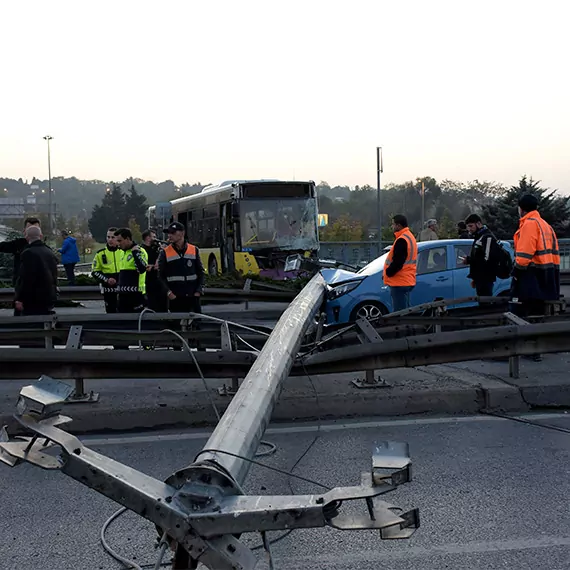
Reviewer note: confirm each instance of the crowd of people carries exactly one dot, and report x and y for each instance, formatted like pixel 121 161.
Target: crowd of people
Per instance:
pixel 160 275
pixel 535 271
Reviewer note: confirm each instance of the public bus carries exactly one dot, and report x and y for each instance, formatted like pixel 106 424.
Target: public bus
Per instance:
pixel 249 226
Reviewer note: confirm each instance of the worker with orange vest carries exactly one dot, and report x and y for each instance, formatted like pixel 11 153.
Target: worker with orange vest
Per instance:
pixel 181 271
pixel 400 265
pixel 536 275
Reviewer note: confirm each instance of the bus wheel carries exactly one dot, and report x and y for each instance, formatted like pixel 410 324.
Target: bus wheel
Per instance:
pixel 212 266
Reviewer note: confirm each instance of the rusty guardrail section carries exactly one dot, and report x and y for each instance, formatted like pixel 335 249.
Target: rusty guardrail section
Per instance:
pixel 201 509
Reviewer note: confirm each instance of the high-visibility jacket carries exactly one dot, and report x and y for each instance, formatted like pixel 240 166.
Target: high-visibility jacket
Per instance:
pixel 106 265
pixel 181 271
pixel 537 260
pixel 132 274
pixel 406 277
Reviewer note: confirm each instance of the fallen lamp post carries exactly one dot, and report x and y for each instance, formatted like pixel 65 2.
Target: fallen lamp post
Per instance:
pixel 201 508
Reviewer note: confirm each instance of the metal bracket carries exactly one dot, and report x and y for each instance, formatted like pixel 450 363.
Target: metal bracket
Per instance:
pixel 79 396
pixel 227 344
pixel 198 513
pixel 368 334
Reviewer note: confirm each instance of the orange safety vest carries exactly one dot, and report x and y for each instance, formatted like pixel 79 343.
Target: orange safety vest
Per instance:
pixel 536 244
pixel 406 277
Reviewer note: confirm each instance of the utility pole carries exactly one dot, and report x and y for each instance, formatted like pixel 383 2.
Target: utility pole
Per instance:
pixel 50 214
pixel 379 169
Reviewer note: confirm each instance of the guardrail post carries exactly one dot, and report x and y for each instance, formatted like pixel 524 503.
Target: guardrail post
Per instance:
pixel 247 287
pixel 320 327
pixel 227 344
pixel 515 361
pixel 78 395
pixel 367 334
pixel 49 326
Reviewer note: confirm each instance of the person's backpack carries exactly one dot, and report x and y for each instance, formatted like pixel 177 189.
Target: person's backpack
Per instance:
pixel 504 264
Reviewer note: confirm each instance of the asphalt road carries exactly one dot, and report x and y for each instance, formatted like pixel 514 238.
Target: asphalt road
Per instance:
pixel 493 494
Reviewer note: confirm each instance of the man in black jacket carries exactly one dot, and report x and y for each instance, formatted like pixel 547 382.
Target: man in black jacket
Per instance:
pixel 15 247
pixel 482 260
pixel 36 288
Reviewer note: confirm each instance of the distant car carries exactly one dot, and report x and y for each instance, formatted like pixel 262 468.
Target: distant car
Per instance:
pixel 441 273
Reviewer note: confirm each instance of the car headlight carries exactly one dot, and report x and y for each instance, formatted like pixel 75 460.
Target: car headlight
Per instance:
pixel 340 290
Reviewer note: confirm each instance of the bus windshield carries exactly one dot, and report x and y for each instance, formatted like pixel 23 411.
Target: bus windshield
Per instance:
pixel 287 224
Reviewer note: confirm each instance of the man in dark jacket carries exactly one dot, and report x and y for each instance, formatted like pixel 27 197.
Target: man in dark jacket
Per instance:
pixel 16 247
pixel 482 260
pixel 156 298
pixel 181 271
pixel 36 288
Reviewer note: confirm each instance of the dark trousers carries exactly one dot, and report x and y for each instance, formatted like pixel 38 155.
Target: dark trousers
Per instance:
pixel 484 289
pixel 156 297
pixel 189 304
pixel 400 297
pixel 111 300
pixel 130 302
pixel 70 273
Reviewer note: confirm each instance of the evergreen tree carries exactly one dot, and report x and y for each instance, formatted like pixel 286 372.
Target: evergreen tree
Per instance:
pixel 136 207
pixel 502 215
pixel 111 212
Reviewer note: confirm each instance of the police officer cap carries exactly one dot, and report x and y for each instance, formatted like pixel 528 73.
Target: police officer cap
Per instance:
pixel 528 203
pixel 174 227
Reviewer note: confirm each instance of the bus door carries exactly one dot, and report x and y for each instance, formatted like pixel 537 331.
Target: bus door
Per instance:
pixel 227 237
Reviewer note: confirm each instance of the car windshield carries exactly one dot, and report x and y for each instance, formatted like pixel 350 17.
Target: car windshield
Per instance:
pixel 288 224
pixel 374 266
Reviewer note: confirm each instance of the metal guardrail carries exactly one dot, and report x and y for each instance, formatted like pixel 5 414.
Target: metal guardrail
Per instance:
pixel 357 253
pixel 201 509
pixel 92 292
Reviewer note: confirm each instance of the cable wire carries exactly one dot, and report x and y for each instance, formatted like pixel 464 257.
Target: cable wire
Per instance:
pixel 526 421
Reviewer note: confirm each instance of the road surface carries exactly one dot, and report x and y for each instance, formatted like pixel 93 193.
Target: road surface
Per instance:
pixel 492 493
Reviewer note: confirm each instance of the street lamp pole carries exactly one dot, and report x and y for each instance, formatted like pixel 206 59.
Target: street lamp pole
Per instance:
pixel 379 169
pixel 50 214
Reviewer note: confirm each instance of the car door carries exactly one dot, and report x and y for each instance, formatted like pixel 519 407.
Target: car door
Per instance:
pixel 433 280
pixel 461 283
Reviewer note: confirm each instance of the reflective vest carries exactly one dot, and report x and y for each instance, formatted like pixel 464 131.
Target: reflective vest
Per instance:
pixel 107 264
pixel 130 280
pixel 406 277
pixel 182 269
pixel 536 245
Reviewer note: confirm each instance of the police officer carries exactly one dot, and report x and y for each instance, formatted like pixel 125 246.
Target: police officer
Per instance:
pixel 400 265
pixel 105 268
pixel 132 273
pixel 181 271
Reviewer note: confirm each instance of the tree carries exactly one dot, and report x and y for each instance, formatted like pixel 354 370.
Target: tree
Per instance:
pixel 344 228
pixel 136 206
pixel 135 230
pixel 110 213
pixel 502 216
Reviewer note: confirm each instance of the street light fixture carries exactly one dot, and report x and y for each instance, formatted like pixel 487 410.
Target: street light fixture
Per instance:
pixel 50 216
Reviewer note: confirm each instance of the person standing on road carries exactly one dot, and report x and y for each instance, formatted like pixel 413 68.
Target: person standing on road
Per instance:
pixel 132 273
pixel 536 275
pixel 106 267
pixel 156 298
pixel 36 288
pixel 15 247
pixel 429 233
pixel 400 266
pixel 482 260
pixel 181 271
pixel 69 255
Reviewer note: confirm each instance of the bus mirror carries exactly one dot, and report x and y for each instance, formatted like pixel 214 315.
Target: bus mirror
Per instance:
pixel 293 263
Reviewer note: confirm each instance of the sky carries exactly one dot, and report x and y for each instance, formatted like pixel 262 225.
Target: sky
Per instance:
pixel 206 91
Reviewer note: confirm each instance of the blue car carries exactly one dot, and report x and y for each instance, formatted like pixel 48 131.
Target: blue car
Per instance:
pixel 440 273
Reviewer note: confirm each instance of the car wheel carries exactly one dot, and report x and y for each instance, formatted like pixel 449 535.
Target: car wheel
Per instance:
pixel 368 310
pixel 212 266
